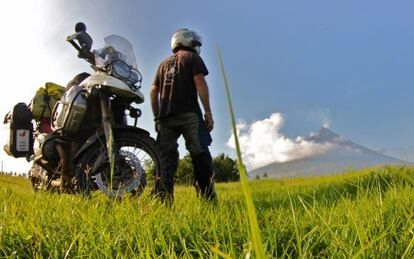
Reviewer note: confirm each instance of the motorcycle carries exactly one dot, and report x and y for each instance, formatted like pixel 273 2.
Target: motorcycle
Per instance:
pixel 92 146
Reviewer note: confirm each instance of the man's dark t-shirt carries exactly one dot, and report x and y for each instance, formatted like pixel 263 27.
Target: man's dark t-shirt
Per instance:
pixel 175 79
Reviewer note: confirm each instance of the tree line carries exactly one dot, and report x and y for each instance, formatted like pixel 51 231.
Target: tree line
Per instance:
pixel 13 174
pixel 225 170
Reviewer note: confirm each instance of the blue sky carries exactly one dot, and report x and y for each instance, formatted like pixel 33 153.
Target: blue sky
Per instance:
pixel 348 63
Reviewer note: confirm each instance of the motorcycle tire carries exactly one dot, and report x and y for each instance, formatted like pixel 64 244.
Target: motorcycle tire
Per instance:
pixel 133 146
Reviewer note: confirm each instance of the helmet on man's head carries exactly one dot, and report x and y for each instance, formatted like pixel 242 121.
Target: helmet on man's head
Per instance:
pixel 185 39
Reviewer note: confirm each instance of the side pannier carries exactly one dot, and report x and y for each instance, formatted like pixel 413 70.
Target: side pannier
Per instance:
pixel 19 120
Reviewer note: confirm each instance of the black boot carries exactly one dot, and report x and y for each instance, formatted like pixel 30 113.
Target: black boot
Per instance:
pixel 164 190
pixel 203 174
pixel 164 182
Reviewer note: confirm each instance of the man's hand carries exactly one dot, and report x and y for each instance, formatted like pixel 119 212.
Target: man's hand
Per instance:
pixel 157 126
pixel 208 118
pixel 202 90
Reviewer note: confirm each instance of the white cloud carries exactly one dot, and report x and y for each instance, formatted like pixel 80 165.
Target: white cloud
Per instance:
pixel 262 143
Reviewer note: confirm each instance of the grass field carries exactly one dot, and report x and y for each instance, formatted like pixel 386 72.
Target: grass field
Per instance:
pixel 368 214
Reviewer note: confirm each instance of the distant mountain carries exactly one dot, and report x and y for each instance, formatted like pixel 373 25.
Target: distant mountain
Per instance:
pixel 405 153
pixel 344 155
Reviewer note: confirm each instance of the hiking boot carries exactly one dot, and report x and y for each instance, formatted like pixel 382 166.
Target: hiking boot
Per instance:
pixel 203 173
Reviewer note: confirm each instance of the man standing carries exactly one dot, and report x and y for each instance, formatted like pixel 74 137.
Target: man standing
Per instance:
pixel 178 83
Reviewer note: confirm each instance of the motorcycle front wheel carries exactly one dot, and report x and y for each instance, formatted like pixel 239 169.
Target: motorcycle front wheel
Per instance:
pixel 136 162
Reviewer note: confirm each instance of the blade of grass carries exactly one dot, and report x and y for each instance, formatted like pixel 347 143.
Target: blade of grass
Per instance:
pixel 330 230
pixel 298 238
pixel 360 233
pixel 217 251
pixel 74 240
pixel 251 212
pixel 362 251
pixel 109 144
pixel 404 175
pixel 409 247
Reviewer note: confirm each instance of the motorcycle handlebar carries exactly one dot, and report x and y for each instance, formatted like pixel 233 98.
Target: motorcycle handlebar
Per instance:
pixel 73 43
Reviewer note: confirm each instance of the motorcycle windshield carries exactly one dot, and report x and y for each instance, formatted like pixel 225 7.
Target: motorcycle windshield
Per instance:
pixel 124 47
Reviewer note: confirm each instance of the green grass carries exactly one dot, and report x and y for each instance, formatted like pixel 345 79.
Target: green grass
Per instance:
pixel 368 214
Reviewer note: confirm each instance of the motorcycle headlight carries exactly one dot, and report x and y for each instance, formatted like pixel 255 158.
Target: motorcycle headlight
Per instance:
pixel 124 72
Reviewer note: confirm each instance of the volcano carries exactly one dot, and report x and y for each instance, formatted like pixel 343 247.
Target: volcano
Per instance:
pixel 343 156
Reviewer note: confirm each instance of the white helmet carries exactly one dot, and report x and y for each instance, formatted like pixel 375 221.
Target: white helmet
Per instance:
pixel 186 38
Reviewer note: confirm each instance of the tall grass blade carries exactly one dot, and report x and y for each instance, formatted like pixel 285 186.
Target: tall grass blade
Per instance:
pixel 217 251
pixel 328 227
pixel 362 251
pixel 360 233
pixel 295 224
pixel 254 226
pixel 109 144
pixel 409 247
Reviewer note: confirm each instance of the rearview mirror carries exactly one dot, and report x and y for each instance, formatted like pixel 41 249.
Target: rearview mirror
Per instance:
pixel 85 41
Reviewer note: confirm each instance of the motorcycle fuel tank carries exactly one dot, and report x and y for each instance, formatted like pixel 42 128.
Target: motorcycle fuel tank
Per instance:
pixel 113 85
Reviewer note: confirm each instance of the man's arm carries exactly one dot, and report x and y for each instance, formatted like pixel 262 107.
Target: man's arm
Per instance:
pixel 154 100
pixel 202 90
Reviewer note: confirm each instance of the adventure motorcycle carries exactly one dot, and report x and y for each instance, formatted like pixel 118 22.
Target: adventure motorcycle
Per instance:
pixel 92 147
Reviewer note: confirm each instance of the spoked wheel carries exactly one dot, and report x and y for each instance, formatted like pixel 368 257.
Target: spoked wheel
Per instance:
pixel 136 157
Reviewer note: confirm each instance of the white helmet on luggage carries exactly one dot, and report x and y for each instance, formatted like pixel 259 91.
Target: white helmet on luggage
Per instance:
pixel 185 38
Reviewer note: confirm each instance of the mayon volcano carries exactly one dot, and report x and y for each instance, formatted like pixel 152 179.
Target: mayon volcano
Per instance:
pixel 342 156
